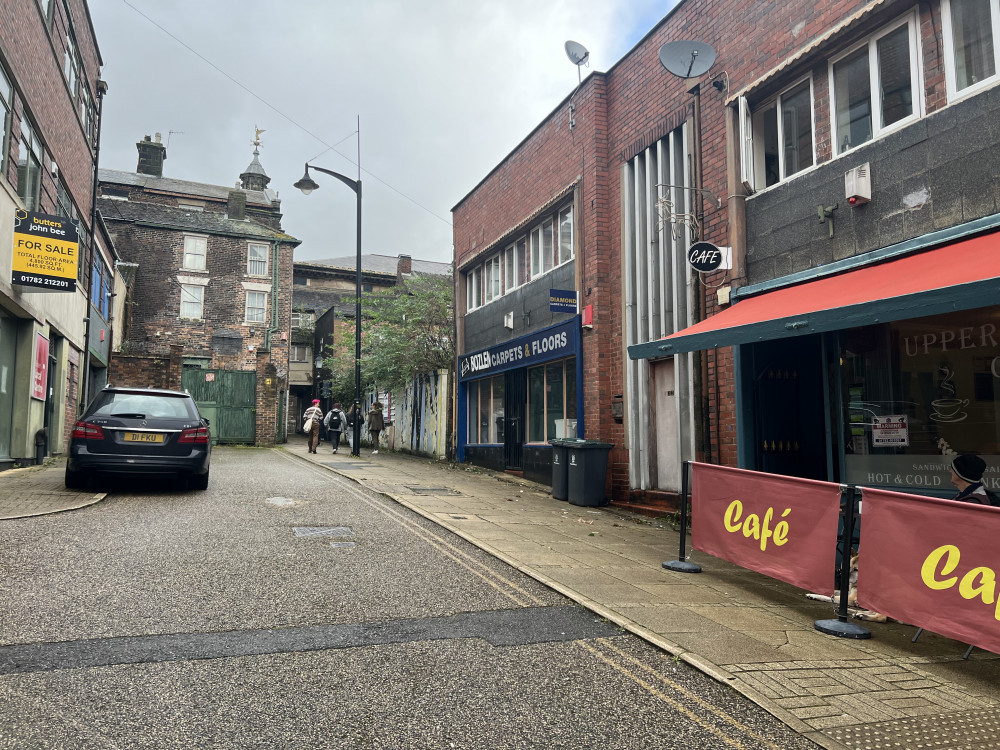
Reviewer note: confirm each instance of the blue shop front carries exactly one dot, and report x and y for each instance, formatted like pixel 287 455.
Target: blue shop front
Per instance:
pixel 516 396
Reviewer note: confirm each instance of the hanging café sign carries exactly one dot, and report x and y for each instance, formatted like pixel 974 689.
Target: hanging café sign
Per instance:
pixel 46 250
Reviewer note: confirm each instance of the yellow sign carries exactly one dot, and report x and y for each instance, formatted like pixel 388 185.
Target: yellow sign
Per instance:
pixel 46 252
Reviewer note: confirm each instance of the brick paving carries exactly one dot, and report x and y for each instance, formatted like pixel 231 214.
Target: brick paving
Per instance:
pixel 39 490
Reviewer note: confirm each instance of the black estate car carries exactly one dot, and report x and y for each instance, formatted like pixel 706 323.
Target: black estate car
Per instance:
pixel 140 431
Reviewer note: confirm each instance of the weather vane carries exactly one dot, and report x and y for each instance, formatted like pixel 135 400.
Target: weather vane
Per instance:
pixel 256 135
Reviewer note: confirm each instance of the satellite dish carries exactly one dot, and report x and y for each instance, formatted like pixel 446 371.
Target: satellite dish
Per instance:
pixel 687 59
pixel 577 53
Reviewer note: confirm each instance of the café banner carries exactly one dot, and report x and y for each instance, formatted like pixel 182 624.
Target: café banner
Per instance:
pixel 45 252
pixel 782 527
pixel 932 563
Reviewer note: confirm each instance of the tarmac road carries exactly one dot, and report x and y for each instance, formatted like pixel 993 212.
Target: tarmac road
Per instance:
pixel 289 607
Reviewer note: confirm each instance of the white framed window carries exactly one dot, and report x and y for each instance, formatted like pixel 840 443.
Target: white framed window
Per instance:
pixel 971 44
pixel 876 86
pixel 537 250
pixel 6 106
pixel 474 288
pixel 299 353
pixel 72 66
pixel 491 279
pixel 256 307
pixel 566 250
pixel 780 137
pixel 257 259
pixel 29 167
pixel 301 319
pixel 195 250
pixel 192 301
pixel 515 264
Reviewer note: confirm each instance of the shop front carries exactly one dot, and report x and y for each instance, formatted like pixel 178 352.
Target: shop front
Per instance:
pixel 874 376
pixel 516 396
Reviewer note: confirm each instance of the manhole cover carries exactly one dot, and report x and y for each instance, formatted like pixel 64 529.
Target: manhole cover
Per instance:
pixel 433 491
pixel 313 531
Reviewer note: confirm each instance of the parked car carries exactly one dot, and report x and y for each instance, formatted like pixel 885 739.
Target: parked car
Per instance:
pixel 140 431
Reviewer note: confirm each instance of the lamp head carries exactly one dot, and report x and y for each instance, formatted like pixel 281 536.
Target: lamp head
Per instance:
pixel 307 184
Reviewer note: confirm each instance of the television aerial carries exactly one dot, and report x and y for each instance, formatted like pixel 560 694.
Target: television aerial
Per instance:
pixel 687 59
pixel 578 55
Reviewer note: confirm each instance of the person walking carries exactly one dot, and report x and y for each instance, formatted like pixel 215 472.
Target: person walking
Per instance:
pixel 352 415
pixel 312 419
pixel 335 422
pixel 376 423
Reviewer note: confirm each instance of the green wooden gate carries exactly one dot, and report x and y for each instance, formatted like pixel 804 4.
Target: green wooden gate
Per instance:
pixel 226 398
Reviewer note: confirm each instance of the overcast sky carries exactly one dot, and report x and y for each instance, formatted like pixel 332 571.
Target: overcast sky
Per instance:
pixel 444 89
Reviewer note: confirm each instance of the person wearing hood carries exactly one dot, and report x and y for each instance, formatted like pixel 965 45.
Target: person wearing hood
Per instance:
pixel 375 423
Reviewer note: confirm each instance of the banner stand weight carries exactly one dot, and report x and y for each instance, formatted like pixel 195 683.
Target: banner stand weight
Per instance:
pixel 842 627
pixel 681 565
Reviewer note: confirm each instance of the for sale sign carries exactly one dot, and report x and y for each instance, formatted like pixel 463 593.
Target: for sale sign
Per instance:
pixel 46 252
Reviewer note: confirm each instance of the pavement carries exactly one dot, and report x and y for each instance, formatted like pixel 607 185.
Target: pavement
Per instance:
pixel 743 629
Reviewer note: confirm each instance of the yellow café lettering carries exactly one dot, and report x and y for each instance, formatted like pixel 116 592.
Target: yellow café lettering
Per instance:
pixel 752 526
pixel 979 582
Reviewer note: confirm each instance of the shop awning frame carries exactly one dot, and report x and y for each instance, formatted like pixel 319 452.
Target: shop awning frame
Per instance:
pixel 963 275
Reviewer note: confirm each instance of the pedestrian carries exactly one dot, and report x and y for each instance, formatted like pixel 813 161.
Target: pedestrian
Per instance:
pixel 376 423
pixel 313 418
pixel 967 475
pixel 335 422
pixel 351 418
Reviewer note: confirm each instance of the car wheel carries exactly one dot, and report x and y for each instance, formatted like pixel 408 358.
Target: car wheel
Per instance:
pixel 200 481
pixel 75 480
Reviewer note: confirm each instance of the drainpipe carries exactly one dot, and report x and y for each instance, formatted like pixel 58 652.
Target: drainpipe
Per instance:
pixel 102 89
pixel 275 254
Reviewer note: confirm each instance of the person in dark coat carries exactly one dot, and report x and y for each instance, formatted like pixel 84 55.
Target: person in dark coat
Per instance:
pixel 967 475
pixel 376 423
pixel 335 422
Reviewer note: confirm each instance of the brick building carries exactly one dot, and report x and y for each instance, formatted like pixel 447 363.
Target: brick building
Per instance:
pixel 211 273
pixel 50 95
pixel 606 195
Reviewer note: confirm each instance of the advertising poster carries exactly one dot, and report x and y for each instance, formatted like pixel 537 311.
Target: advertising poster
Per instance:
pixel 40 371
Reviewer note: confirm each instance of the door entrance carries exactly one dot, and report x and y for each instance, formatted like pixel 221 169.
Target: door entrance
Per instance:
pixel 227 398
pixel 515 396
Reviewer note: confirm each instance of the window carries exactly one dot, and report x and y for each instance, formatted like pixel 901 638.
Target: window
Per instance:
pixel 299 353
pixel 485 412
pixel 29 167
pixel 301 319
pixel 195 249
pixel 886 64
pixel 256 306
pixel 514 265
pixel 781 137
pixel 565 235
pixel 192 301
pixel 88 114
pixel 492 278
pixel 64 205
pixel 257 260
pixel 552 401
pixel 971 31
pixel 72 66
pixel 474 288
pixel 6 100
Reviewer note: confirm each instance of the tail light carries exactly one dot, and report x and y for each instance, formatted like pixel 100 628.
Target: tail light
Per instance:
pixel 86 431
pixel 194 435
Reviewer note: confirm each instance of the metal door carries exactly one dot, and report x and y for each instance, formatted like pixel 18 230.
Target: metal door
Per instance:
pixel 515 397
pixel 227 398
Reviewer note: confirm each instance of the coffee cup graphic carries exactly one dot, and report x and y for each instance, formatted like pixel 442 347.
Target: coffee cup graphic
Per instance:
pixel 949 408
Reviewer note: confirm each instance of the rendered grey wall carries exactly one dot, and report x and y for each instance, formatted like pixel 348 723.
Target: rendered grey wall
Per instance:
pixel 940 171
pixel 530 305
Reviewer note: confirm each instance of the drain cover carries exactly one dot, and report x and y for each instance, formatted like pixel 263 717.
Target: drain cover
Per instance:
pixel 313 531
pixel 433 491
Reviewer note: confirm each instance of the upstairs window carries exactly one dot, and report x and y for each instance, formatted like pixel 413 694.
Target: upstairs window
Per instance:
pixel 875 86
pixel 565 253
pixel 972 55
pixel 6 100
pixel 195 250
pixel 299 353
pixel 541 238
pixel 515 264
pixel 491 278
pixel 257 260
pixel 29 167
pixel 71 68
pixel 780 137
pixel 192 301
pixel 256 306
pixel 474 288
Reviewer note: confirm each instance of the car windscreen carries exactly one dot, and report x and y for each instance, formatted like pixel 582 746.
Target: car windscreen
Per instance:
pixel 143 405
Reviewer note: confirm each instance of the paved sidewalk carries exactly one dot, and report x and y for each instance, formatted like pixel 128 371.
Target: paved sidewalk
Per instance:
pixel 749 631
pixel 38 490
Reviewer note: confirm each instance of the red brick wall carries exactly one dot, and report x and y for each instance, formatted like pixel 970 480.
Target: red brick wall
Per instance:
pixel 148 371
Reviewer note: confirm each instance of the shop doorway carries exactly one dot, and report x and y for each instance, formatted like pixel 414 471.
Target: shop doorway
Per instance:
pixel 515 397
pixel 789 407
pixel 666 431
pixel 8 347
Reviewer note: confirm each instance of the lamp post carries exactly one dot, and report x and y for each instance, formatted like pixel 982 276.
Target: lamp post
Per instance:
pixel 307 185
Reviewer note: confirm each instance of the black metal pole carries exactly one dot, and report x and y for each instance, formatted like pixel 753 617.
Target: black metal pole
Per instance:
pixel 356 449
pixel 681 565
pixel 842 627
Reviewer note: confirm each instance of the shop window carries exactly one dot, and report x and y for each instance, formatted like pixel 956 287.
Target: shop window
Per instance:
pixel 875 86
pixel 192 301
pixel 972 55
pixel 195 251
pixel 940 373
pixel 780 137
pixel 256 307
pixel 256 259
pixel 29 167
pixel 485 410
pixel 552 401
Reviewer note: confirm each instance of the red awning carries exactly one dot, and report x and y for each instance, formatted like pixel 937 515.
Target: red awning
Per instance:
pixel 960 276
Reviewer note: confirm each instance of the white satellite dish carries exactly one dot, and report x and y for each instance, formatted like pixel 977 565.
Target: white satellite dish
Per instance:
pixel 577 53
pixel 687 59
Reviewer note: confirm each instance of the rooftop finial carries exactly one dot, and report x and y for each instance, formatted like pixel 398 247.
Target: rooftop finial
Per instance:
pixel 256 135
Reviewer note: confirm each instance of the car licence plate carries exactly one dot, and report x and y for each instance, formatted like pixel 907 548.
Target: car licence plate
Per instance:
pixel 143 437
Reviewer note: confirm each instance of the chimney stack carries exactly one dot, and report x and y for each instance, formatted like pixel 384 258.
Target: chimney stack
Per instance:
pixel 151 156
pixel 404 268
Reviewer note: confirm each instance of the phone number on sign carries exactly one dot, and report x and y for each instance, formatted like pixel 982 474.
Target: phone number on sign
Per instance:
pixel 38 280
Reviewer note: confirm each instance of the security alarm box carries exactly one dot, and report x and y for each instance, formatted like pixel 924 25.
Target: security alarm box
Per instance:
pixel 858 184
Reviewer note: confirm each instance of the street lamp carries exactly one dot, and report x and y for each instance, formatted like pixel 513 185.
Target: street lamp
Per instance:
pixel 307 184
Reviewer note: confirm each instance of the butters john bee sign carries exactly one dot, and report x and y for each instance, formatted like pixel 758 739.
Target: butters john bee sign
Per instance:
pixel 46 250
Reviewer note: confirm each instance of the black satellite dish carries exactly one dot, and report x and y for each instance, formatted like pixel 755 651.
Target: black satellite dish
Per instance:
pixel 687 59
pixel 577 53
